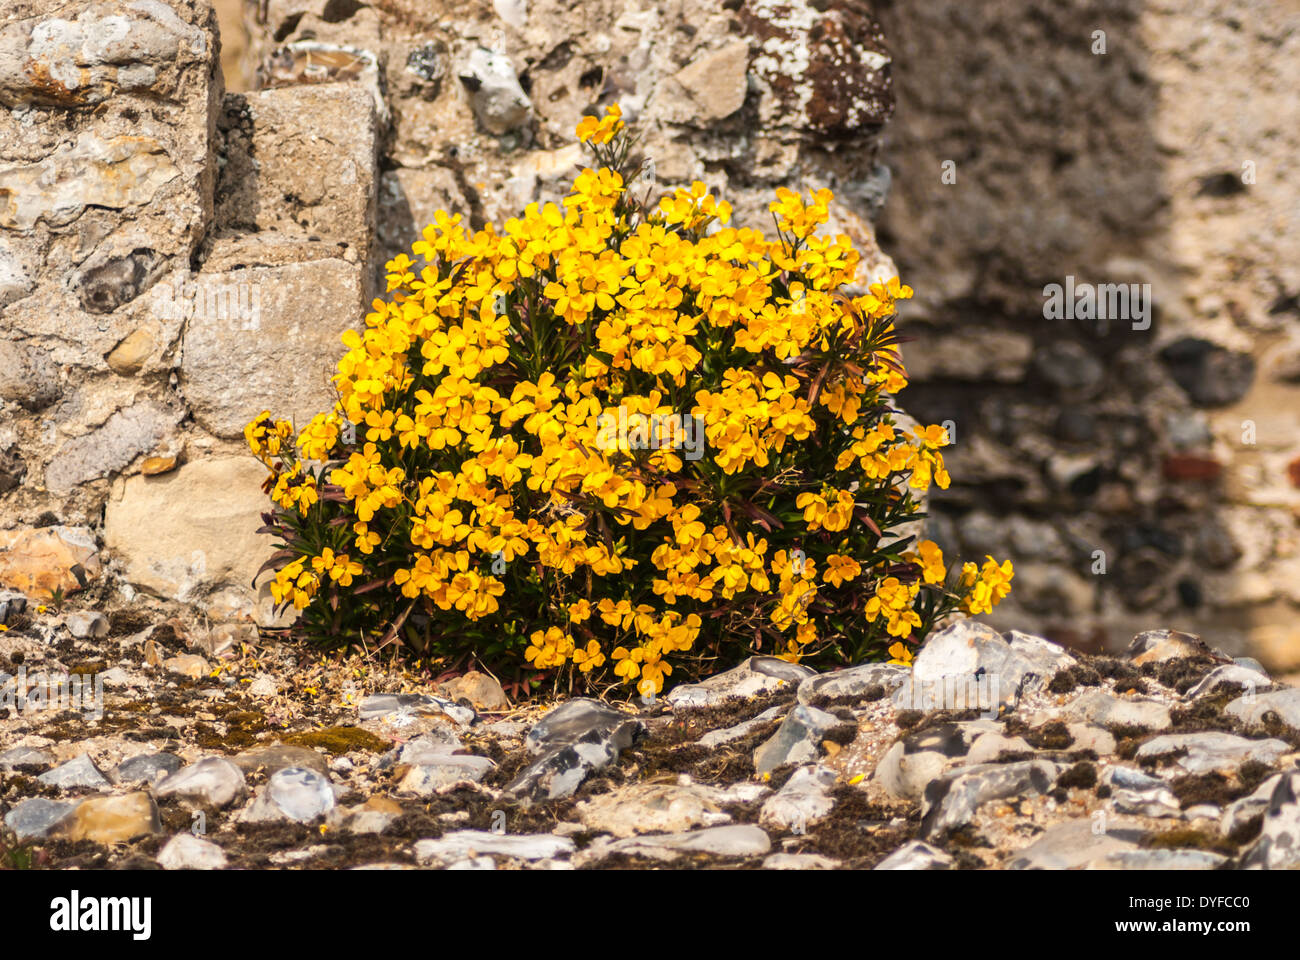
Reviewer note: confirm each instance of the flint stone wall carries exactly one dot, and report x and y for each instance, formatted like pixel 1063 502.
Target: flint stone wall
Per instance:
pixel 175 258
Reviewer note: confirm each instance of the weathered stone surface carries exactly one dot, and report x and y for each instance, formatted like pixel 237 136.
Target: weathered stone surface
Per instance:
pixel 1140 794
pixel 756 676
pixel 189 665
pixel 13 469
pixel 293 793
pixel 115 278
pixel 41 561
pixel 82 60
pixel 374 816
pixel 36 816
pixel 916 855
pixel 1240 812
pixel 115 819
pixel 716 738
pixel 733 840
pixel 427 748
pixel 1284 704
pixel 147 768
pixel 1210 751
pixel 499 102
pixel 1211 375
pixel 559 771
pixel 471 843
pixel 798 740
pixel 968 657
pixel 805 800
pixel 87 624
pixel 570 721
pixel 1162 860
pixel 1278 846
pixel 409 200
pixel 918 758
pixel 827 67
pixel 479 689
pixel 24 758
pixel 226 376
pixel 396 707
pixel 213 782
pixel 126 435
pixel 853 683
pixel 798 861
pixel 16 282
pixel 1156 646
pixel 653 808
pixel 129 356
pixel 1247 677
pixel 224 640
pixel 78 773
pixel 1098 706
pixel 1075 844
pixel 27 375
pixel 190 530
pixel 426 778
pixel 300 162
pixel 117 173
pixel 977 356
pixel 710 88
pixel 12 605
pixel 952 800
pixel 188 852
pixel 268 760
pixel 309 61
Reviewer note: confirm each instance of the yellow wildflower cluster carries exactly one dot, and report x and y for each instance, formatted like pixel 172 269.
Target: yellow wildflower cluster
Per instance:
pixel 984 587
pixel 613 436
pixel 601 131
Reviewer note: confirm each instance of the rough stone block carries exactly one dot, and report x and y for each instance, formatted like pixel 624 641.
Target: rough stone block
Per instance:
pixel 129 433
pixel 39 561
pixel 125 174
pixel 190 531
pixel 301 161
pixel 267 338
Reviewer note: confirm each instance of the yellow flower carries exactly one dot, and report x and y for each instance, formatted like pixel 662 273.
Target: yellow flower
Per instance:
pixel 589 658
pixel 628 662
pixel 841 569
pixel 900 654
pixel 549 648
pixel 601 131
pixel 930 559
pixel 989 588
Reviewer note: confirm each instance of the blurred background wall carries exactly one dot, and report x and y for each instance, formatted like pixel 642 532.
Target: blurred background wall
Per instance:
pixel 1169 159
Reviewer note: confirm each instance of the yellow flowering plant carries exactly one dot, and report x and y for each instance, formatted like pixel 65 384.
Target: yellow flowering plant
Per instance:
pixel 618 441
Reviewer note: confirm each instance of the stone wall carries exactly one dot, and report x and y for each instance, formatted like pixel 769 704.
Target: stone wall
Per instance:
pixel 175 258
pixel 1170 160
